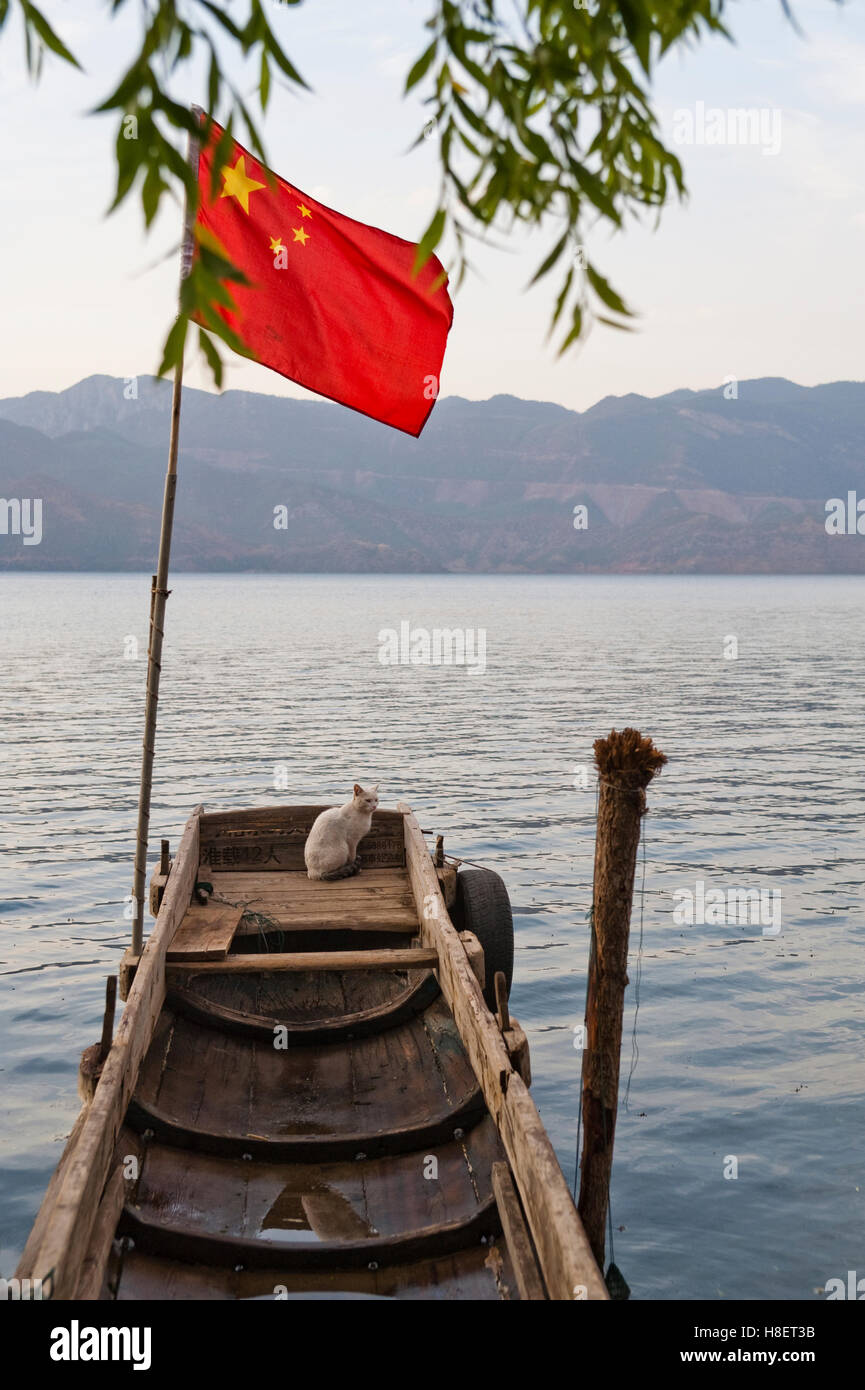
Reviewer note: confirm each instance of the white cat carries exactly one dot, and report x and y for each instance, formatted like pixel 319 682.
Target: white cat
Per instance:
pixel 331 846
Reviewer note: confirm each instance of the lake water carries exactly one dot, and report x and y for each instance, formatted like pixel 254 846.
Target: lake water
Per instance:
pixel 750 1042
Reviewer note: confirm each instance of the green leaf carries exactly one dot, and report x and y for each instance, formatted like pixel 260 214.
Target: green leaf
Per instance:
pixel 615 323
pixel 475 121
pixel 605 292
pixel 151 192
pixel 172 352
pixel 34 18
pixel 224 147
pixel 563 294
pixel 214 81
pixel 422 66
pixel 551 258
pixel 224 19
pixel 213 358
pixel 138 79
pixel 429 241
pixel 575 332
pixel 638 30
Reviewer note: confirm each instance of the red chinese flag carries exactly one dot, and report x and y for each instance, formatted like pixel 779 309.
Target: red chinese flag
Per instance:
pixel 332 304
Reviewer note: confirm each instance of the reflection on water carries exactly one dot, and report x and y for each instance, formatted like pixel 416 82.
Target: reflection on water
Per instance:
pixel 746 1046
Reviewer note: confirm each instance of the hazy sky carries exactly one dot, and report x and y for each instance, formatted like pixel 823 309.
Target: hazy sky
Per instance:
pixel 761 273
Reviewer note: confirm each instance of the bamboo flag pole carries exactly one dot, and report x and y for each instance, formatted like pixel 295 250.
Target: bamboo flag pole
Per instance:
pixel 626 764
pixel 158 597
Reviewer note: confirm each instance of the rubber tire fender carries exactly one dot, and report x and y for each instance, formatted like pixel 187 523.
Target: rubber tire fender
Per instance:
pixel 482 906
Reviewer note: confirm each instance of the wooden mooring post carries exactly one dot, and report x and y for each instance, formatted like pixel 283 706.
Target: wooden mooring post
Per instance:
pixel 93 1058
pixel 626 764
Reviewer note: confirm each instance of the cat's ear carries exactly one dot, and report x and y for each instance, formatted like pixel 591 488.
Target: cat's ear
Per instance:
pixel 376 787
pixel 358 789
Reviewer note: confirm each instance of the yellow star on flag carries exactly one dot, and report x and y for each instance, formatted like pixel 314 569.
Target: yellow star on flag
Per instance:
pixel 304 211
pixel 237 184
pixel 300 235
pixel 276 243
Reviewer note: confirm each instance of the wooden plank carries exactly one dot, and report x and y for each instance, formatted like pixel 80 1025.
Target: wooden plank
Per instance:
pixel 399 1008
pixel 522 1255
pixel 447 877
pixel 288 818
pixel 379 900
pixel 517 1045
pixel 566 1259
pixel 310 917
pixel 291 925
pixel 43 1216
pixel 229 884
pixel 271 840
pixel 205 933
pixel 463 1277
pixel 269 1201
pixel 157 889
pixel 304 925
pixel 475 955
pixel 268 851
pixel 155 1236
pixel 63 1248
pixel 427 1128
pixel 332 1217
pixel 295 887
pixel 93 1269
pixel 412 958
pixel 323 906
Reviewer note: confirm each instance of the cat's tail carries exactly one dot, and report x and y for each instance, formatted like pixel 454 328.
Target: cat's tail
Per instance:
pixel 345 871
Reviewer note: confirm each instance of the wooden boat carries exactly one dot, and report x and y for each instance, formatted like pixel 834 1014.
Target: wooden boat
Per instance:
pixel 308 1094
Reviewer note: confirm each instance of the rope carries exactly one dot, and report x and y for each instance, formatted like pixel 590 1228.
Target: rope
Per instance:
pixel 590 915
pixel 612 1260
pixel 261 922
pixel 635 1051
pixel 591 919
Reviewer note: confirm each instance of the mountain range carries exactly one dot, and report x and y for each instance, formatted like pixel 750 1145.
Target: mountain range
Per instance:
pixel 688 482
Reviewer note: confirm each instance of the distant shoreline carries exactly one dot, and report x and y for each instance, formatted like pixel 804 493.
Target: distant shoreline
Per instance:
pixel 767 480
pixel 440 574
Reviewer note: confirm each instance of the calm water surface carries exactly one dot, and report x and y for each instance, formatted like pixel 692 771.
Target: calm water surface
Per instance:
pixel 747 1047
